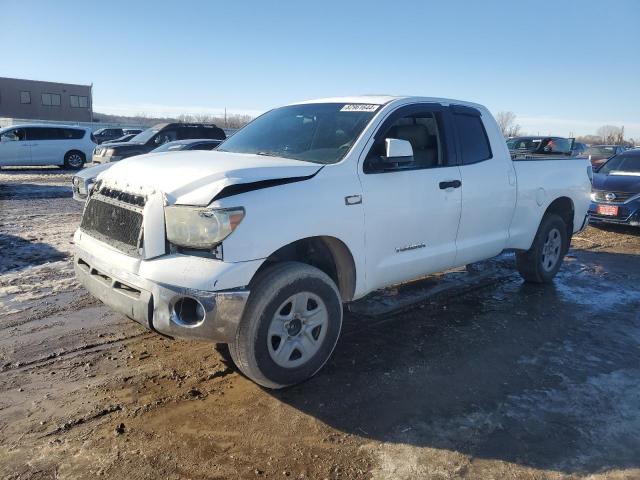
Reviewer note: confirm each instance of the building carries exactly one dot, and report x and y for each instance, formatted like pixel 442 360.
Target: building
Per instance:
pixel 36 100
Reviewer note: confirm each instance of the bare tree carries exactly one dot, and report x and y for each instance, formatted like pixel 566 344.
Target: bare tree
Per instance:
pixel 507 123
pixel 611 134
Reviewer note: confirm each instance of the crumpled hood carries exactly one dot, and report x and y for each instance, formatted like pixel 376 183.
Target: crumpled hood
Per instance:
pixel 196 177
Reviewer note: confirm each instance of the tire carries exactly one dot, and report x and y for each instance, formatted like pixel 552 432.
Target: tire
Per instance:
pixel 542 261
pixel 74 159
pixel 290 325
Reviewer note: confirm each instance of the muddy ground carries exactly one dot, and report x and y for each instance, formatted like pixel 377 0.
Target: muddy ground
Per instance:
pixel 495 380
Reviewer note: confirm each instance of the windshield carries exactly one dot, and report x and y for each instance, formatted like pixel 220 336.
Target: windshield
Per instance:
pixel 144 136
pixel 315 132
pixel 622 165
pixel 608 151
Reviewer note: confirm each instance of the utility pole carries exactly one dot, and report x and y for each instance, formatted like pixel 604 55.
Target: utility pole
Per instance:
pixel 225 117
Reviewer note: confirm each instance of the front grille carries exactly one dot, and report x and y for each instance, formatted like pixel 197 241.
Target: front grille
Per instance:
pixel 115 223
pixel 618 197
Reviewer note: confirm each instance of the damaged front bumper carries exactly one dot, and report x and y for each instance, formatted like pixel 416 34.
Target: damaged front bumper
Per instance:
pixel 172 310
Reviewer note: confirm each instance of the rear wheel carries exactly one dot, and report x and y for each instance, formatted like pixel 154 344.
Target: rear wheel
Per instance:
pixel 74 159
pixel 542 261
pixel 290 326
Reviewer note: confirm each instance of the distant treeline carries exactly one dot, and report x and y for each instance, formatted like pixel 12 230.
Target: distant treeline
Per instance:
pixel 232 120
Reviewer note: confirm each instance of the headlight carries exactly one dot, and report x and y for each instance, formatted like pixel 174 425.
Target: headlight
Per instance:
pixel 593 197
pixel 108 152
pixel 83 187
pixel 200 227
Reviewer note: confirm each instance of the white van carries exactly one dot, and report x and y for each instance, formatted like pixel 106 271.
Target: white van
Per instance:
pixel 45 145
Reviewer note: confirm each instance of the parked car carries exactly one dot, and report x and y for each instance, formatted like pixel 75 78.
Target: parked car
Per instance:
pixel 598 154
pixel 124 138
pixel 35 144
pixel 155 136
pixel 615 197
pixel 85 178
pixel 540 147
pixel 258 243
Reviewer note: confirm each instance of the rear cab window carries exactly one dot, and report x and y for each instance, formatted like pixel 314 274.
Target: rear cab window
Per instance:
pixel 473 142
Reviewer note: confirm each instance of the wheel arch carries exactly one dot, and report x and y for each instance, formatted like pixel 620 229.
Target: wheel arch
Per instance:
pixel 563 206
pixel 329 254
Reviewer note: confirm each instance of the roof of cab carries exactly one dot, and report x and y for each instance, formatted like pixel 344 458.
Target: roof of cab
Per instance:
pixel 385 99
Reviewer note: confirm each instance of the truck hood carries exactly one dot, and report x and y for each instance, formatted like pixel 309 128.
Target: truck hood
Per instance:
pixel 196 177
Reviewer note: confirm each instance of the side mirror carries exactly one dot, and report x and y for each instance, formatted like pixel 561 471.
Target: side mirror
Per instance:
pixel 398 151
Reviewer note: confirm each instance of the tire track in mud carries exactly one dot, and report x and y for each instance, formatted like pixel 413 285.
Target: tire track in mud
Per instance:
pixel 194 393
pixel 68 354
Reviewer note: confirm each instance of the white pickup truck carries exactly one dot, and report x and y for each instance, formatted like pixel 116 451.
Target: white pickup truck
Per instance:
pixel 259 244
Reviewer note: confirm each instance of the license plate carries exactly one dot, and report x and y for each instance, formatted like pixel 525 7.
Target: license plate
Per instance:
pixel 610 210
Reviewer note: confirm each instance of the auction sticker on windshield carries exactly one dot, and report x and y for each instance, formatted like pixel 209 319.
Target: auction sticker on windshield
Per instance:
pixel 359 107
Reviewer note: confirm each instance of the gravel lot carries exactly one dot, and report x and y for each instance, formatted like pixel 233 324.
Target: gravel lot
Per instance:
pixel 490 379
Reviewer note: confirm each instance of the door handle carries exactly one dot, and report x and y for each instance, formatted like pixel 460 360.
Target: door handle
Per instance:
pixel 450 184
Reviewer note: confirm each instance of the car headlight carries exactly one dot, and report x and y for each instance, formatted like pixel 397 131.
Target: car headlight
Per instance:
pixel 108 152
pixel 200 227
pixel 593 197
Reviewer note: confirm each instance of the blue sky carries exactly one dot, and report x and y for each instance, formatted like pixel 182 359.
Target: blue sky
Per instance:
pixel 562 66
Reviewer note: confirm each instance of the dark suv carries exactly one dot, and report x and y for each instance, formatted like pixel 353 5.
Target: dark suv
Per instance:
pixel 155 136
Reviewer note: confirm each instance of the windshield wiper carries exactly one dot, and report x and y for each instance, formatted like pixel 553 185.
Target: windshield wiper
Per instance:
pixel 268 154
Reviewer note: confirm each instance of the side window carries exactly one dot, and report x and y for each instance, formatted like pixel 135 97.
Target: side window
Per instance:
pixel 164 136
pixel 558 145
pixel 214 133
pixel 71 134
pixel 472 138
pixel 185 133
pixel 422 130
pixel 16 135
pixel 36 133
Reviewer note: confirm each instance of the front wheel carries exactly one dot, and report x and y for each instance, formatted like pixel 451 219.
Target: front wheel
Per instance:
pixel 74 159
pixel 542 261
pixel 290 325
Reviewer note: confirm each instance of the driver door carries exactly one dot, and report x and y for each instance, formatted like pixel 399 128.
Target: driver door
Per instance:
pixel 14 148
pixel 412 210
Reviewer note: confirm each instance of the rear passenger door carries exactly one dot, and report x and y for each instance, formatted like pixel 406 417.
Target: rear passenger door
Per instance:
pixel 411 210
pixel 44 147
pixel 488 189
